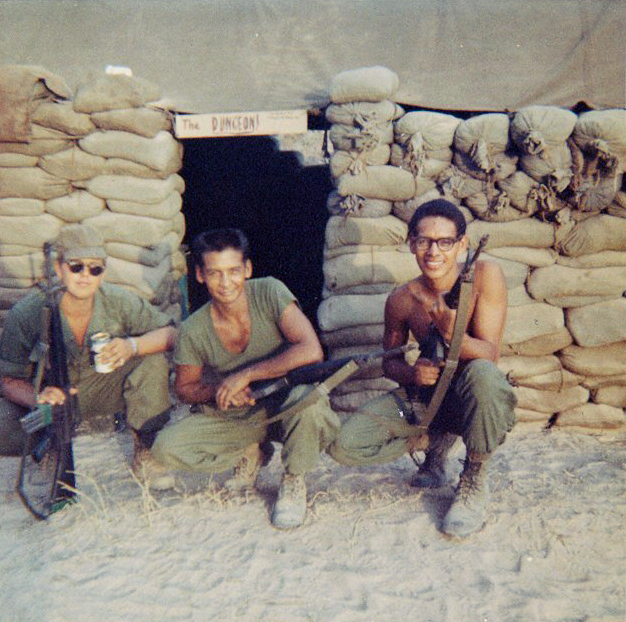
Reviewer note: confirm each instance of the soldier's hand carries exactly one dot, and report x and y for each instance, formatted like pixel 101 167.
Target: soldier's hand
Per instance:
pixel 234 392
pixel 116 352
pixel 53 395
pixel 425 372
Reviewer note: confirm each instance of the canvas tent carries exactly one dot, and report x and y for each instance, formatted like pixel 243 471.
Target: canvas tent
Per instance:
pixel 240 55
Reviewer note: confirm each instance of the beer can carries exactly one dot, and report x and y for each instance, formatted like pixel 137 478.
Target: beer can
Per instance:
pixel 98 341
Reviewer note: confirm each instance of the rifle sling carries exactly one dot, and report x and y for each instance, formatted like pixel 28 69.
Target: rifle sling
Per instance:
pixel 452 360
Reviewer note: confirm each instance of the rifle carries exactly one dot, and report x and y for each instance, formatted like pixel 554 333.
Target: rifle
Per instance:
pixel 326 376
pixel 46 476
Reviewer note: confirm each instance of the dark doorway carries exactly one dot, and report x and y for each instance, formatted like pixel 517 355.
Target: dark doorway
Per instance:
pixel 246 182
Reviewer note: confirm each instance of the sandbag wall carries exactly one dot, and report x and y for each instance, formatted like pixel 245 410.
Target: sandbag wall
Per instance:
pixel 543 182
pixel 104 157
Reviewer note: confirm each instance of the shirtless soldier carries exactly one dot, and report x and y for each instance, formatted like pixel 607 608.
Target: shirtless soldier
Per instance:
pixel 479 403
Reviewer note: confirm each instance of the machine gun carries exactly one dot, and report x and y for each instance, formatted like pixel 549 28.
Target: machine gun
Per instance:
pixel 46 476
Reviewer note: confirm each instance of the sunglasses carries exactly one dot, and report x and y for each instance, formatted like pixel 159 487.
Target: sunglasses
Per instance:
pixel 77 267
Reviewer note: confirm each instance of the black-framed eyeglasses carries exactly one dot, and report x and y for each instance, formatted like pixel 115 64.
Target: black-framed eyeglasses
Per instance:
pixel 76 267
pixel 423 243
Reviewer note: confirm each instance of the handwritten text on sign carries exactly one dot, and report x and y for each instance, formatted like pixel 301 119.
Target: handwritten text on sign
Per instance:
pixel 265 123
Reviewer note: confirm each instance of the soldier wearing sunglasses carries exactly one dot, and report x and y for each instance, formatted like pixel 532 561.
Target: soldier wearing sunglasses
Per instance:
pixel 479 403
pixel 140 334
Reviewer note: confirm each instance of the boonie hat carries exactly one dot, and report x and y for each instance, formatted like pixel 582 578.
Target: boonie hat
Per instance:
pixel 80 242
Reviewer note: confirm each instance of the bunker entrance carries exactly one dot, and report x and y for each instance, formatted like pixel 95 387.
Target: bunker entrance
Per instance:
pixel 247 182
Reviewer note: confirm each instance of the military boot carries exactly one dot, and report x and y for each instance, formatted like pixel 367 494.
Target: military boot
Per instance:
pixel 432 472
pixel 246 472
pixel 290 507
pixel 147 469
pixel 467 512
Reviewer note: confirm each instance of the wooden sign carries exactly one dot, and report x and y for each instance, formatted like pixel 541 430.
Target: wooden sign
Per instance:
pixel 263 123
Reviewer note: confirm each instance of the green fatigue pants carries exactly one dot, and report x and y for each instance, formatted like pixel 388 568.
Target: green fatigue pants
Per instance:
pixel 215 440
pixel 479 407
pixel 139 388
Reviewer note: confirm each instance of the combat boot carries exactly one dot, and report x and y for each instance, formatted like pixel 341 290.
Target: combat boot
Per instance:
pixel 290 507
pixel 432 472
pixel 246 472
pixel 467 512
pixel 147 469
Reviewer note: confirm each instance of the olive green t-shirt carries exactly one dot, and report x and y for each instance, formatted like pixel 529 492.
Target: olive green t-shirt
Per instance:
pixel 198 343
pixel 116 311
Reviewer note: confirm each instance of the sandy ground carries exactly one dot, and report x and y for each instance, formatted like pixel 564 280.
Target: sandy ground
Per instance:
pixel 553 549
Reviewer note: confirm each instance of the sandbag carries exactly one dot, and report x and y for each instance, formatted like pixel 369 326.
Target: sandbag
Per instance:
pixel 591 415
pixel 494 206
pixel 144 121
pixel 421 163
pixel 490 168
pixel 613 396
pixel 533 233
pixel 425 190
pixel 162 153
pixel 365 384
pixel 603 133
pixel 538 346
pixel 386 230
pixel 595 361
pixel 435 129
pixel 42 141
pixel 522 191
pixel 147 279
pixel 537 128
pixel 528 321
pixel 365 84
pixel 21 207
pixel 76 206
pixel 17 160
pixel 356 206
pixel 552 168
pixel 516 368
pixel 597 382
pixel 18 249
pixel 598 233
pixel 570 302
pixel 375 267
pixel 518 296
pixel 598 324
pixel 127 188
pixel 22 266
pixel 378 182
pixel 73 164
pixel 61 116
pixel 367 289
pixel 119 166
pixel 601 259
pixel 558 280
pixel 515 272
pixel 35 229
pixel 354 161
pixel 550 401
pixel 534 257
pixel 351 310
pixel 358 139
pixel 359 113
pixel 366 334
pixel 140 230
pixel 31 183
pixel 616 208
pixel 556 380
pixel 166 209
pixel 525 415
pixel 114 91
pixel 9 296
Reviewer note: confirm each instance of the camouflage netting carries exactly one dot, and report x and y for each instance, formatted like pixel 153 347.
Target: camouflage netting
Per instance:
pixel 543 182
pixel 102 156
